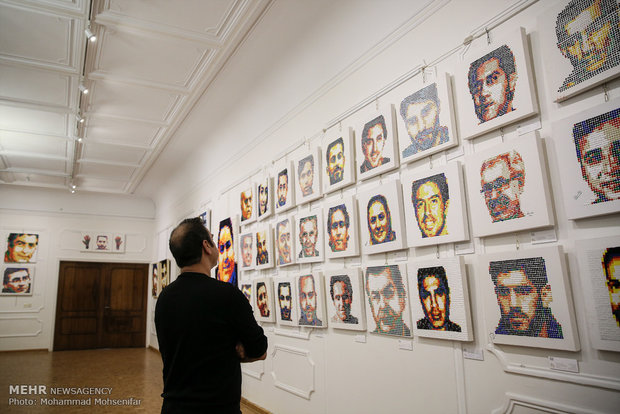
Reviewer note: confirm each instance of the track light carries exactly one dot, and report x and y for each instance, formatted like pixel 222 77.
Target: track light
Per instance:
pixel 83 89
pixel 73 191
pixel 90 35
pixel 73 186
pixel 80 118
pixel 79 139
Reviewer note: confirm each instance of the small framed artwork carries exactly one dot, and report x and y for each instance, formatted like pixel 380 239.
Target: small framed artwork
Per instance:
pixel 599 271
pixel 155 280
pixel 344 293
pixel 308 176
pixel 508 188
pixel 527 299
pixel 285 186
pixel 21 247
pixel 376 143
pixel 388 304
pixel 164 273
pixel 228 231
pixel 341 228
pixel 311 300
pixel 495 86
pixel 118 243
pixel 309 241
pixel 286 300
pixel 247 205
pixel 205 218
pixel 265 195
pixel 248 250
pixel 581 44
pixel 382 226
pixel 18 280
pixel 264 300
pixel 588 148
pixel 101 242
pixel 425 120
pixel 264 247
pixel 339 170
pixel 246 289
pixel 285 241
pixel 439 299
pixel 435 209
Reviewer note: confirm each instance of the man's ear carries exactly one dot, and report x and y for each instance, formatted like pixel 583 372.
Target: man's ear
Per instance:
pixel 512 81
pixel 545 296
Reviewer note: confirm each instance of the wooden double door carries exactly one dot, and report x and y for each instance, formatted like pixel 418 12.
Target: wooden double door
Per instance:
pixel 101 305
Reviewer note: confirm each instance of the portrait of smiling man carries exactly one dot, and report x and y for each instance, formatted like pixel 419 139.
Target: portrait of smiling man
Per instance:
pixel 21 248
pixel 308 236
pixel 374 136
pixel 430 198
pixel 379 220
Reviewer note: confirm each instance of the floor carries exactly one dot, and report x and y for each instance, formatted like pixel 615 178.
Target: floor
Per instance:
pixel 132 374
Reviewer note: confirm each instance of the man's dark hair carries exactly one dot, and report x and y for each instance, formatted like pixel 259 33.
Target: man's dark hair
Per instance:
pixel 381 199
pixel 258 286
pixel 186 241
pixel 10 270
pixel 378 120
pixel 332 145
pixel 428 93
pixel 394 274
pixel 609 255
pixel 302 162
pixel 332 210
pixel 533 268
pixel 575 8
pixel 226 223
pixel 340 278
pixel 506 61
pixel 440 273
pixel 282 285
pixel 13 236
pixel 438 179
pixel 584 128
pixel 284 173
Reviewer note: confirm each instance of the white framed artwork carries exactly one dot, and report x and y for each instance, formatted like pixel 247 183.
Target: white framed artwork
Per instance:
pixel 588 148
pixel 285 241
pixel 205 217
pixel 440 299
pixel 227 237
pixel 247 205
pixel 247 251
pixel 264 192
pixel 425 119
pixel 581 44
pixel 339 153
pixel 311 299
pixel 435 209
pixel 527 299
pixel 508 188
pixel 285 186
pixel 376 142
pixel 155 280
pixel 382 226
pixel 308 176
pixel 344 294
pixel 310 233
pixel 286 301
pixel 263 300
pixel 341 228
pixel 102 242
pixel 264 247
pixel 494 85
pixel 246 289
pixel 21 247
pixel 17 279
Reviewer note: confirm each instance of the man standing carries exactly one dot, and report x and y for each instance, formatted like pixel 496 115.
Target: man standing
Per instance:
pixel 283 231
pixel 379 220
pixel 21 247
pixel 16 280
pixel 611 265
pixel 284 300
pixel 282 187
pixel 308 302
pixel 431 199
pixel 306 175
pixel 502 181
pixel 338 228
pixel 435 299
pixel 387 299
pixel 335 161
pixel 374 136
pixel 226 267
pixel 341 292
pixel 524 298
pixel 205 328
pixel 308 236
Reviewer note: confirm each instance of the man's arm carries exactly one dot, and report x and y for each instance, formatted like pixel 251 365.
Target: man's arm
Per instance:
pixel 251 342
pixel 241 352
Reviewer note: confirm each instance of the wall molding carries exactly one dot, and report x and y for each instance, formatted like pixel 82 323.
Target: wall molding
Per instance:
pixel 288 387
pixel 31 334
pixel 513 401
pixel 254 374
pixel 298 333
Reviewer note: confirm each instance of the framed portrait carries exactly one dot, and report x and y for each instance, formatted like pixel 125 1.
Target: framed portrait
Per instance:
pixel 599 272
pixel 508 188
pixel 527 299
pixel 341 228
pixel 435 209
pixel 263 298
pixel 286 301
pixel 102 242
pixel 205 218
pixel 247 250
pixel 425 119
pixel 311 300
pixel 21 247
pixel 264 193
pixel 227 233
pixel 264 247
pixel 118 243
pixel 494 85
pixel 309 241
pixel 285 241
pixel 344 294
pixel 18 280
pixel 164 273
pixel 247 205
pixel 155 280
pixel 388 300
pixel 285 186
pixel 339 158
pixel 246 289
pixel 588 148
pixel 382 226
pixel 376 142
pixel 308 176
pixel 580 40
pixel 440 299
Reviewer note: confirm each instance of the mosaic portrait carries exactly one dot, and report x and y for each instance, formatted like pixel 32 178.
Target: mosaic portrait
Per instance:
pixel 264 248
pixel 311 300
pixel 285 241
pixel 164 273
pixel 246 289
pixel 247 206
pixel 264 300
pixel 284 186
pixel 308 176
pixel 248 251
pixel 205 218
pixel 388 308
pixel 345 301
pixel 338 155
pixel 21 248
pixel 309 240
pixel 226 270
pixel 286 300
pixel 341 228
pixel 376 143
pixel 100 242
pixel 17 280
pixel 264 194
pixel 154 280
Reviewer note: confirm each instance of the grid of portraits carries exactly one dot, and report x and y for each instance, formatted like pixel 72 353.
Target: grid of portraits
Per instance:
pixel 311 299
pixel 339 158
pixel 284 177
pixel 434 206
pixel 588 149
pixel 599 267
pixel 247 250
pixel 381 219
pixel 388 311
pixel 285 241
pixel 425 119
pixel 264 192
pixel 495 86
pixel 310 233
pixel 308 176
pixel 227 234
pixel 344 294
pixel 341 228
pixel 440 299
pixel 263 300
pixel 526 299
pixel 247 205
pixel 507 188
pixel 376 142
pixel 264 247
pixel 581 44
pixel 286 301
pixel 18 279
pixel 102 242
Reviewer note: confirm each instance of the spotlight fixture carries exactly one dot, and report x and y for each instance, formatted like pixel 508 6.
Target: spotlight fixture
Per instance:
pixel 90 35
pixel 83 89
pixel 79 139
pixel 73 191
pixel 73 186
pixel 80 118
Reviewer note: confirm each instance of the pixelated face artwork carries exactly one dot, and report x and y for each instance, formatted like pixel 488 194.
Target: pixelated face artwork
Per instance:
pixel 226 257
pixel 379 220
pixel 387 299
pixel 431 200
pixel 502 180
pixel 342 296
pixel 282 187
pixel 284 300
pixel 164 280
pixel 102 242
pixel 16 281
pixel 308 235
pixel 246 249
pixel 374 136
pixel 155 281
pixel 492 81
pixel 283 232
pixel 263 197
pixel 308 301
pixel 335 161
pixel 262 300
pixel 262 255
pixel 338 228
pixel 21 248
pixel 246 289
pixel 420 112
pixel 435 301
pixel 306 175
pixel 611 268
pixel 246 204
pixel 597 143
